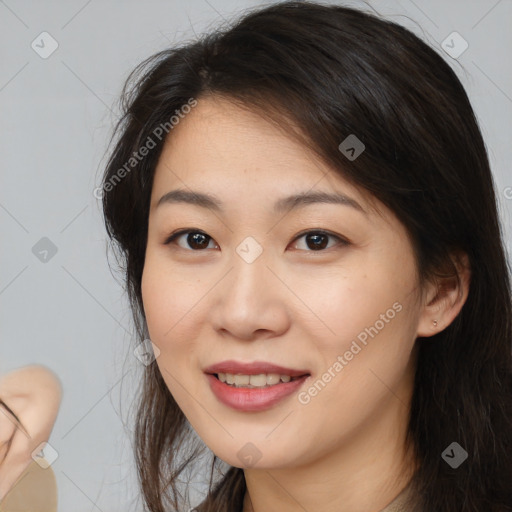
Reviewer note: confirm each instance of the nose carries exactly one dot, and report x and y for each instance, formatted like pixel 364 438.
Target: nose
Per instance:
pixel 251 301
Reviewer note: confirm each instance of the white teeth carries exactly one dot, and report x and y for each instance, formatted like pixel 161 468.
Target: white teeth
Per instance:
pixel 241 380
pixel 257 381
pixel 270 379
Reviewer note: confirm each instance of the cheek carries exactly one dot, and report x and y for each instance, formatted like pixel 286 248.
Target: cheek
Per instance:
pixel 346 308
pixel 165 306
pixel 172 315
pixel 367 318
pixel 166 299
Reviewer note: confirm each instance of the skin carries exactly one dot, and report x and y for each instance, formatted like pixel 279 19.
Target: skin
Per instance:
pixel 34 394
pixel 294 306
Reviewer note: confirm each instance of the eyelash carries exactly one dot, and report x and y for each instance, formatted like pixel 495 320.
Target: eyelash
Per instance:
pixel 173 236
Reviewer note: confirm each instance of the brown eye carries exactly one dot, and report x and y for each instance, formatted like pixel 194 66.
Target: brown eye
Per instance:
pixel 195 240
pixel 318 240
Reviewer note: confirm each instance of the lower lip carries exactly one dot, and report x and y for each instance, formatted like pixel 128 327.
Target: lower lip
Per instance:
pixel 253 399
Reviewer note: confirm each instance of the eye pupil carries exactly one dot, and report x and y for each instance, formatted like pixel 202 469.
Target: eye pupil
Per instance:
pixel 197 240
pixel 316 241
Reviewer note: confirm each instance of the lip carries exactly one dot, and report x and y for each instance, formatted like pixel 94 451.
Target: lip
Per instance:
pixel 253 399
pixel 254 368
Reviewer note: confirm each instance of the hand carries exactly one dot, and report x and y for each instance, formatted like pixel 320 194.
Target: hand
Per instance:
pixel 33 395
pixel 8 424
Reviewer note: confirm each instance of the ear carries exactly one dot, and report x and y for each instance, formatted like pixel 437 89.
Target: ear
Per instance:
pixel 444 298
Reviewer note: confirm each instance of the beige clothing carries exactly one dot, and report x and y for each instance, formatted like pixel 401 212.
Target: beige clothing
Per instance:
pixel 398 504
pixel 34 491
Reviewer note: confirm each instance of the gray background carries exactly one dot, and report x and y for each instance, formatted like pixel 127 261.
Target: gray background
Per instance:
pixel 69 312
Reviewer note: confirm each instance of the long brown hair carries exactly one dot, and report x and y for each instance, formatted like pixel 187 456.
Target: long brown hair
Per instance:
pixel 335 71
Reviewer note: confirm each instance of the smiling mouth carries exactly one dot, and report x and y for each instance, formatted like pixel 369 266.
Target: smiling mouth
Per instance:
pixel 259 381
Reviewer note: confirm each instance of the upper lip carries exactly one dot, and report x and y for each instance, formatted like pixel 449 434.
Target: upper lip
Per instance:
pixel 254 368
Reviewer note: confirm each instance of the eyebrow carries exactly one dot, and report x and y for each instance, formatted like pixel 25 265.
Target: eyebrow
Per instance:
pixel 286 203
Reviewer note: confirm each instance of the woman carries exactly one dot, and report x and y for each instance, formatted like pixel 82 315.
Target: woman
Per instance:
pixel 305 210
pixel 29 403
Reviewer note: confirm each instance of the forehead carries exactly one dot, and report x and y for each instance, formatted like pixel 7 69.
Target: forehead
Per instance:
pixel 227 149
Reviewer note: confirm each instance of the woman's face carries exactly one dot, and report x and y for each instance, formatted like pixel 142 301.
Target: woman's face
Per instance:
pixel 254 288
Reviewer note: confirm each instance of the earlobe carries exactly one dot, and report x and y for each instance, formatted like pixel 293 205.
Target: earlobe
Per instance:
pixel 445 299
